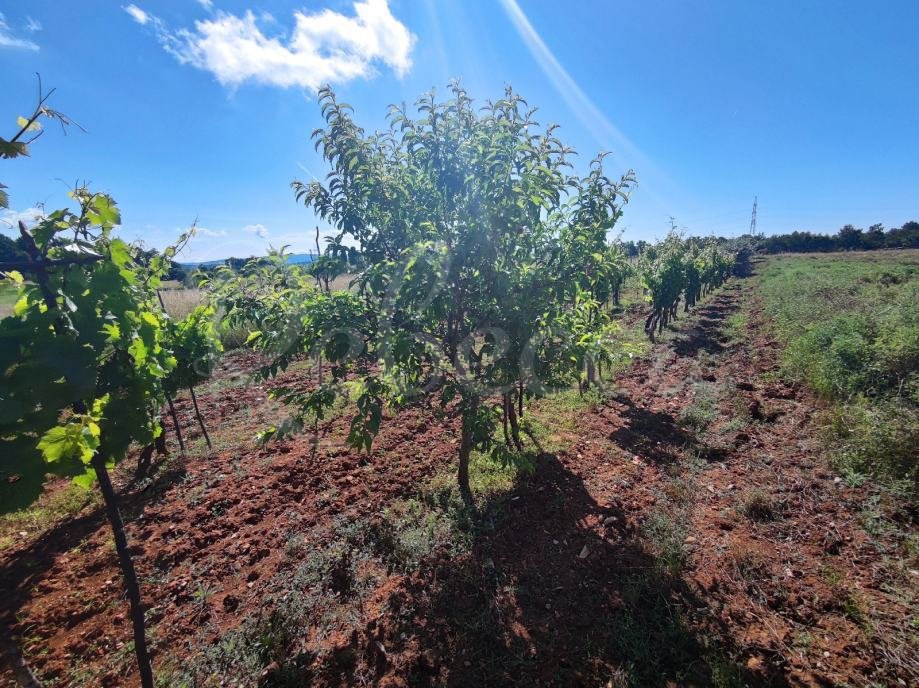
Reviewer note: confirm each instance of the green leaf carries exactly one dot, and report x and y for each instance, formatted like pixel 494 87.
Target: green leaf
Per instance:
pixel 120 253
pixel 112 331
pixel 85 480
pixel 70 441
pixel 21 306
pixel 138 351
pixel 23 122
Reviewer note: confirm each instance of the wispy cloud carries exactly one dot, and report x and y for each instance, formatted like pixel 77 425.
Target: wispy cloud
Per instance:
pixel 9 40
pixel 9 218
pixel 325 47
pixel 204 231
pixel 259 230
pixel 206 4
pixel 137 14
pixel 32 25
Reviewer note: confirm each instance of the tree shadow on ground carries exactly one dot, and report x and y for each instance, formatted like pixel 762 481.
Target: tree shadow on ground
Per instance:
pixel 555 597
pixel 21 570
pixel 706 333
pixel 655 435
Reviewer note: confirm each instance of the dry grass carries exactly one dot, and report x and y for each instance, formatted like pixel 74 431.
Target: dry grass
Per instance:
pixel 181 302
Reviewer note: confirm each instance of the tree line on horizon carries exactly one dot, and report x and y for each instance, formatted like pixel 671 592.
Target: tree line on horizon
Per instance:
pixel 848 238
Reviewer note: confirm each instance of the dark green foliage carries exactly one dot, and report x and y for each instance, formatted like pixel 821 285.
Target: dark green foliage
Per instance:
pixel 848 238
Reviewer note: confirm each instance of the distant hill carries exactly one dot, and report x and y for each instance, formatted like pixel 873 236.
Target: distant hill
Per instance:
pixel 294 258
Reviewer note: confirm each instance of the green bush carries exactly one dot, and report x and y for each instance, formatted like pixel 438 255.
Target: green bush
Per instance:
pixel 877 437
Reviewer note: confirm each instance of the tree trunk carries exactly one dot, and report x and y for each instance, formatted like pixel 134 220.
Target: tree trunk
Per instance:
pixel 175 422
pixel 515 426
pixel 194 400
pixel 127 571
pixel 160 443
pixel 505 402
pixel 143 461
pixel 462 474
pixel 520 398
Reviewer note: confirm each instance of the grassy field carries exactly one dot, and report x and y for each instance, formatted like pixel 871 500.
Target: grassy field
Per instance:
pixel 849 324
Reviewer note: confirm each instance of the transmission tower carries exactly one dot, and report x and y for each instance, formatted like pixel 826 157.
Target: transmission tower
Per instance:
pixel 753 218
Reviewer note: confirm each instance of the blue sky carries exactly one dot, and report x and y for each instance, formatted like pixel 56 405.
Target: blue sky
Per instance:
pixel 197 109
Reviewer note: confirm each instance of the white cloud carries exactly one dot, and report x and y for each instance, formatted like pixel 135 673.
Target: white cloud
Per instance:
pixel 206 4
pixel 10 218
pixel 33 25
pixel 326 47
pixel 259 230
pixel 8 40
pixel 204 231
pixel 137 14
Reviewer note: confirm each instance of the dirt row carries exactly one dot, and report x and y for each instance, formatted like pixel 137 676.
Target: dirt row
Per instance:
pixel 685 530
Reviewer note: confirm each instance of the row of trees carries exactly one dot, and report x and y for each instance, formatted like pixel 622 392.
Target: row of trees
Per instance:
pixel 849 238
pixel 486 278
pixel 677 269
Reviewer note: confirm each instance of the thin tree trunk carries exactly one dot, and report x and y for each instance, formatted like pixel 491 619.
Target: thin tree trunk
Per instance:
pixel 462 474
pixel 520 398
pixel 160 444
pixel 175 422
pixel 505 401
pixel 143 461
pixel 515 427
pixel 194 400
pixel 127 571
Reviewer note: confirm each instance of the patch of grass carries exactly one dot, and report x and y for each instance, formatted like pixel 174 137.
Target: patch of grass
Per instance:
pixel 849 326
pixel 758 506
pixel 735 326
pixel 699 414
pixel 58 504
pixel 665 531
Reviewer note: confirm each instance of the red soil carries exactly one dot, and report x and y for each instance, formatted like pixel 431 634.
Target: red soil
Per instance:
pixel 562 584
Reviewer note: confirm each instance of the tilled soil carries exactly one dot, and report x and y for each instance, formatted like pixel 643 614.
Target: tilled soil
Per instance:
pixel 690 532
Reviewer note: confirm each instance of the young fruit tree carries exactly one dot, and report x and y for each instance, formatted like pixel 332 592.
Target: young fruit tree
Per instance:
pixel 472 230
pixel 83 359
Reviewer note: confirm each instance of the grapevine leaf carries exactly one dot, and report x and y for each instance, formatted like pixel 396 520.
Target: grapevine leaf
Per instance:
pixel 12 149
pixel 86 479
pixel 21 306
pixel 70 441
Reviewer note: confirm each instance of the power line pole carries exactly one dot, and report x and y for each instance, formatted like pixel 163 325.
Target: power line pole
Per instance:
pixel 753 218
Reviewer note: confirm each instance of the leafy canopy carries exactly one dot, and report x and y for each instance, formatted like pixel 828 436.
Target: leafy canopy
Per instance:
pixel 486 262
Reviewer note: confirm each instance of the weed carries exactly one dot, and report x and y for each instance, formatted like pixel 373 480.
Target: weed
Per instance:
pixel 698 415
pixel 757 506
pixel 666 537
